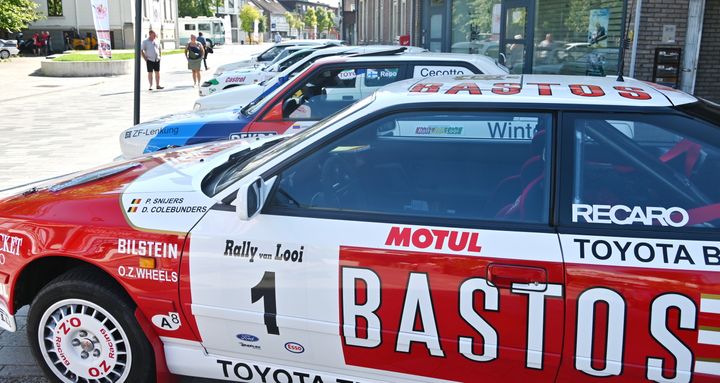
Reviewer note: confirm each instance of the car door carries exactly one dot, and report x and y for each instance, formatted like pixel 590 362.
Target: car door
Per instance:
pixel 414 247
pixel 639 231
pixel 321 94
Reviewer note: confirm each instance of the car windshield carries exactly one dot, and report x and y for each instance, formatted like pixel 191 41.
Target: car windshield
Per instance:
pixel 257 158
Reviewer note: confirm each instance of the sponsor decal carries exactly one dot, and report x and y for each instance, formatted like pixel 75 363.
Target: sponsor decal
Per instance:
pixel 347 74
pixel 5 317
pixel 247 337
pixel 163 206
pixel 626 215
pixel 157 275
pixel 374 74
pixel 517 129
pixel 294 347
pixel 245 249
pixel 248 340
pixel 513 88
pixel 437 239
pixel 240 79
pixel 248 372
pixel 144 248
pixel 432 71
pixel 10 244
pixel 166 131
pixel 645 253
pixel 241 135
pixel 392 317
pixel 438 130
pixel 169 321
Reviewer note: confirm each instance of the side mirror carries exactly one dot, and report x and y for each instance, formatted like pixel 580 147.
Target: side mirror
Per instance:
pixel 250 199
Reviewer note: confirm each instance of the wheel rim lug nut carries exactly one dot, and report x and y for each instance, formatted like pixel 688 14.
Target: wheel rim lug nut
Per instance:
pixel 84 355
pixel 96 353
pixel 76 342
pixel 83 333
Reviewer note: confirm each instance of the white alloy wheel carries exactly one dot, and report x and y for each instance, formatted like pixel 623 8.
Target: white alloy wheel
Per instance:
pixel 81 342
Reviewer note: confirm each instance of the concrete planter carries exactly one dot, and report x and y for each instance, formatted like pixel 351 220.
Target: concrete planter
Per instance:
pixel 85 68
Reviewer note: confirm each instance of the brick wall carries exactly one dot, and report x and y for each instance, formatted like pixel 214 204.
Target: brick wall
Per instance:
pixel 708 74
pixel 655 14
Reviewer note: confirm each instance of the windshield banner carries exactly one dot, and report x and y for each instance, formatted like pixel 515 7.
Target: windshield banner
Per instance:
pixel 102 27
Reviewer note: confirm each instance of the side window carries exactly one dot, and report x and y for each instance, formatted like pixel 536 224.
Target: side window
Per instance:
pixel 459 165
pixel 643 170
pixel 332 90
pixel 204 27
pixel 189 27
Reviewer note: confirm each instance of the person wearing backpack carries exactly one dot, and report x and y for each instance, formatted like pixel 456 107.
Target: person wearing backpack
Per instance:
pixel 194 53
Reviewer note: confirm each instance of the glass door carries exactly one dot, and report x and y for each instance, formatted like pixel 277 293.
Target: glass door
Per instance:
pixel 435 33
pixel 516 34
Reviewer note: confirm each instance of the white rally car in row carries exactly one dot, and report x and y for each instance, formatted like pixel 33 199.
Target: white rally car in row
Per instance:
pixel 257 73
pixel 271 53
pixel 241 96
pixel 499 229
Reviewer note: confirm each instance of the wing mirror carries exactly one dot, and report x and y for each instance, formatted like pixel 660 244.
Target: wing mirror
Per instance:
pixel 250 199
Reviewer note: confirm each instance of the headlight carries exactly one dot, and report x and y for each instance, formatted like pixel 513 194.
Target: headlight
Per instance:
pixel 206 84
pixel 197 106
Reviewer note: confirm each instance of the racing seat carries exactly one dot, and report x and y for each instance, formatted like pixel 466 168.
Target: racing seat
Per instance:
pixel 511 189
pixel 338 184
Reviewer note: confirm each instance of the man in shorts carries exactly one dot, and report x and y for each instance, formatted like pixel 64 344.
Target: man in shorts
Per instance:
pixel 150 51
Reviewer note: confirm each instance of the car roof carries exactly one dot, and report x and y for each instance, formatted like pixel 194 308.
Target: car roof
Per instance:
pixel 483 63
pixel 290 43
pixel 563 89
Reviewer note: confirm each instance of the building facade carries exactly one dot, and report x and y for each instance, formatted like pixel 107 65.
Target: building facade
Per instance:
pixel 229 11
pixel 672 42
pixel 75 17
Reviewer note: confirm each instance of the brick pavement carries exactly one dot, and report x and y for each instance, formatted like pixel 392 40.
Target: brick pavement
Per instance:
pixel 53 126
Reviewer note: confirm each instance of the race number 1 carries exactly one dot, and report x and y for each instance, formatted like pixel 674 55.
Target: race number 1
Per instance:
pixel 265 290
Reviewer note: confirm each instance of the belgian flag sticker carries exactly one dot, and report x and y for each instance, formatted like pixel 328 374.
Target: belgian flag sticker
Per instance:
pixel 134 201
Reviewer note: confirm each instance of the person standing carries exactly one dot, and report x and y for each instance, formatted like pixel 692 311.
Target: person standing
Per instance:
pixel 48 43
pixel 278 38
pixel 68 44
pixel 194 53
pixel 151 52
pixel 36 43
pixel 201 39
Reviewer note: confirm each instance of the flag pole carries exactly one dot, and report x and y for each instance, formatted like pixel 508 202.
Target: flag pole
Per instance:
pixel 138 36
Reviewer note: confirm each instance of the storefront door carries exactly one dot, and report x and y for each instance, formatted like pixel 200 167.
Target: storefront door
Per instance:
pixel 517 26
pixel 435 32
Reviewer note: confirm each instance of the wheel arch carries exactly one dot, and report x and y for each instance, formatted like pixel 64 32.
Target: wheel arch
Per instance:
pixel 38 273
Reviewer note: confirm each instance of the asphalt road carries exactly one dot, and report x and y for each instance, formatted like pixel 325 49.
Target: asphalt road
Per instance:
pixel 55 126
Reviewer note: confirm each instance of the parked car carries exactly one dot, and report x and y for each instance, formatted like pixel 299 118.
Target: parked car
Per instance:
pixel 254 75
pixel 8 48
pixel 240 97
pixel 326 87
pixel 272 52
pixel 499 228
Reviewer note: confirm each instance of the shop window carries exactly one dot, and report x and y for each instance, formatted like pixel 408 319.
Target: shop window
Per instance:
pixel 55 8
pixel 476 27
pixel 578 37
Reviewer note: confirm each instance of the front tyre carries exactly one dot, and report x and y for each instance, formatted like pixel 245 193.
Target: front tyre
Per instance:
pixel 82 329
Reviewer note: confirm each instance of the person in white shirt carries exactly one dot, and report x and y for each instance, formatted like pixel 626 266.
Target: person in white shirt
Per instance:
pixel 151 51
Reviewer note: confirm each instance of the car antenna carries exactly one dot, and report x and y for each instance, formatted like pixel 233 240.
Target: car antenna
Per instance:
pixel 624 42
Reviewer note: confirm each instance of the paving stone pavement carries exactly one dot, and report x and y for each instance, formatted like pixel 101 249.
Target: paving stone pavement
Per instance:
pixel 54 126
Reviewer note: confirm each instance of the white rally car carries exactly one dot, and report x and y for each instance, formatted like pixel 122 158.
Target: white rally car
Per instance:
pixel 502 228
pixel 256 74
pixel 271 53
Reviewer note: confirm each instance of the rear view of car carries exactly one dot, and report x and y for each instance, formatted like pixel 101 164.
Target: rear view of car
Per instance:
pixel 8 48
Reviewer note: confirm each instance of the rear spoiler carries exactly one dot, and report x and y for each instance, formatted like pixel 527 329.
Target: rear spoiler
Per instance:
pixel 380 53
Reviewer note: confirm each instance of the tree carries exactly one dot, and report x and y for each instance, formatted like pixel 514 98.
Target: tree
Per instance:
pixel 195 8
pixel 322 17
pixel 248 15
pixel 16 15
pixel 294 21
pixel 311 20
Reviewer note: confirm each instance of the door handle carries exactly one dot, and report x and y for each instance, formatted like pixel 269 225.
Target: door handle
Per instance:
pixel 504 276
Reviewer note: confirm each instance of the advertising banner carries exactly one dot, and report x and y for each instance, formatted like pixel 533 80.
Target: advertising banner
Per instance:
pixel 102 27
pixel 597 30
